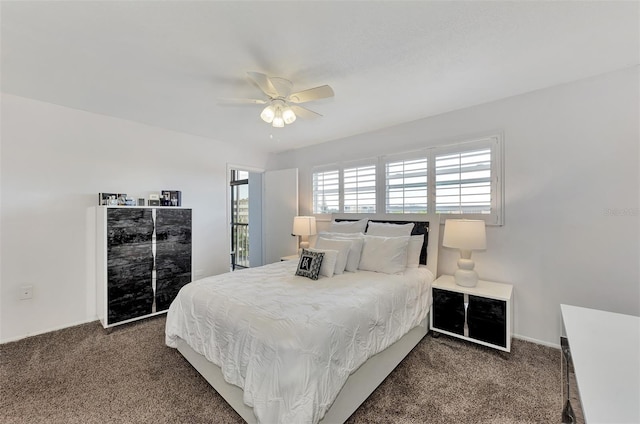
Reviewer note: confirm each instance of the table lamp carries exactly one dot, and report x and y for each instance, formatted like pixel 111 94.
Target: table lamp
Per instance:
pixel 304 226
pixel 466 235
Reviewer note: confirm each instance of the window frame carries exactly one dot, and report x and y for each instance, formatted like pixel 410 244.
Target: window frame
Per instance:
pixel 496 144
pixel 323 169
pixel 369 162
pixel 494 141
pixel 404 157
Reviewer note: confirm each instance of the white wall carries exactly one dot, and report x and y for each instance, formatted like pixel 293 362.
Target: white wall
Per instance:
pixel 572 184
pixel 55 160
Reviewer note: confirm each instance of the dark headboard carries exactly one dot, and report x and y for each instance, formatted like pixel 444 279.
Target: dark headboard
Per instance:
pixel 428 224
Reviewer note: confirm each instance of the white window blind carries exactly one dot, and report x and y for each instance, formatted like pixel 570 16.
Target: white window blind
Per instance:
pixel 463 182
pixel 326 191
pixel 360 189
pixel 406 186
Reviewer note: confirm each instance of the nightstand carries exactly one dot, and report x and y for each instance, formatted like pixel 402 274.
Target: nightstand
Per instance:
pixel 290 258
pixel 480 314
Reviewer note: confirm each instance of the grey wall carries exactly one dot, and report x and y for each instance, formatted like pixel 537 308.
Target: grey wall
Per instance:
pixel 572 185
pixel 54 161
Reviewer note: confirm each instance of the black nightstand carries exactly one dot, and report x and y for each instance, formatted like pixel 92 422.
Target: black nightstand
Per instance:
pixel 481 314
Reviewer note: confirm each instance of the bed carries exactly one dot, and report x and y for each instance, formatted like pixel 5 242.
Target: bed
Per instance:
pixel 293 353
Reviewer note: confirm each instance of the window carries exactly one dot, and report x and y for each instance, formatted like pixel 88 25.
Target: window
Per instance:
pixel 463 182
pixel 406 186
pixel 360 189
pixel 467 180
pixel 459 179
pixel 326 192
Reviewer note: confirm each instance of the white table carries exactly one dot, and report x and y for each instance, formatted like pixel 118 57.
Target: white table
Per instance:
pixel 605 349
pixel 290 257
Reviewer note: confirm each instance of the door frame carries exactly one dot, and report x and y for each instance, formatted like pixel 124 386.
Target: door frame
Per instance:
pixel 231 166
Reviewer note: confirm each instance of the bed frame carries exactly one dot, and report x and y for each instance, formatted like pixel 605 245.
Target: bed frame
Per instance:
pixel 362 382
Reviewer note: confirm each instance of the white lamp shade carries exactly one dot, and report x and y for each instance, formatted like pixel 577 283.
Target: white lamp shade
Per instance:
pixel 278 113
pixel 465 234
pixel 268 114
pixel 278 122
pixel 288 115
pixel 304 225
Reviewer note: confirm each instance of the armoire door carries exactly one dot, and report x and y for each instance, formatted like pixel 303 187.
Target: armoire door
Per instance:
pixel 129 263
pixel 173 254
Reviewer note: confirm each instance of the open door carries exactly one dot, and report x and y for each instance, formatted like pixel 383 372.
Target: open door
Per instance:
pixel 255 217
pixel 280 206
pixel 240 218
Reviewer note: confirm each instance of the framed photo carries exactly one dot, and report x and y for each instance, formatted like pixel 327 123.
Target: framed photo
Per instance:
pixel 111 199
pixel 171 198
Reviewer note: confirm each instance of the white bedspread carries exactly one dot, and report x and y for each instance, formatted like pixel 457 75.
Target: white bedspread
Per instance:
pixel 291 342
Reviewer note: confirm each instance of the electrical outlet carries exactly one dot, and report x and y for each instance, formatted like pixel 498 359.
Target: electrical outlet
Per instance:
pixel 26 292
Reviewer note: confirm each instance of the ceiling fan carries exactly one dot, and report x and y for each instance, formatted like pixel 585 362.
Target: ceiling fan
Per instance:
pixel 283 106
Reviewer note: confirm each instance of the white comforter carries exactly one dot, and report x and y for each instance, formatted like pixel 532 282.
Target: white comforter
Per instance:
pixel 291 342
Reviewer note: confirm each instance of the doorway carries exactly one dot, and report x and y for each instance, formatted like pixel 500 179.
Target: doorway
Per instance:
pixel 246 218
pixel 239 182
pixel 257 198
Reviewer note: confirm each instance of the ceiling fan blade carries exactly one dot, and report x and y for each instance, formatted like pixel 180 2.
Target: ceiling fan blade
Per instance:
pixel 304 113
pixel 321 92
pixel 226 101
pixel 264 83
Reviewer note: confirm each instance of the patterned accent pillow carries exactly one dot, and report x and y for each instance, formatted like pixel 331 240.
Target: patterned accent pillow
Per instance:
pixel 309 264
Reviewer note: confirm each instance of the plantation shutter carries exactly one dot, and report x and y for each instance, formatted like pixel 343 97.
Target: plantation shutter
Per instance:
pixel 406 186
pixel 360 189
pixel 326 191
pixel 463 182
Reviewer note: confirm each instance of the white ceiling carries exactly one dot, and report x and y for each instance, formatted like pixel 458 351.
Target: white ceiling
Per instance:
pixel 166 63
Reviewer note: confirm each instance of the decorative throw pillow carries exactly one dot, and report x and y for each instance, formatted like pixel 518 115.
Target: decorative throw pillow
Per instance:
pixel 309 264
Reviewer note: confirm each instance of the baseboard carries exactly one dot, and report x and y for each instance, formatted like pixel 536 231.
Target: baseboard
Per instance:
pixel 62 327
pixel 15 339
pixel 536 341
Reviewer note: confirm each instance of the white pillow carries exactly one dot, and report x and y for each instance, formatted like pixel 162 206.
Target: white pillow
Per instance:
pixel 342 246
pixel 328 262
pixel 357 241
pixel 384 254
pixel 387 229
pixel 413 251
pixel 349 226
pixel 350 236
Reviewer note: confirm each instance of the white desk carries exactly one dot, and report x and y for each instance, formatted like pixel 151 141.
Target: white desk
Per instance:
pixel 605 349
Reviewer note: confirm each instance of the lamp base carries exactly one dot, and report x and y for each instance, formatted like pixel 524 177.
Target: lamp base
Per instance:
pixel 465 276
pixel 304 244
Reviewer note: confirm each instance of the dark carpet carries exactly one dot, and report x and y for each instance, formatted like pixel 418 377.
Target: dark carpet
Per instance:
pixel 85 374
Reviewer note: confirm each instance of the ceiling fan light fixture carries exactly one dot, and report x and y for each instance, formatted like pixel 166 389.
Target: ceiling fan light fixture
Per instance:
pixel 288 115
pixel 278 122
pixel 282 106
pixel 268 114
